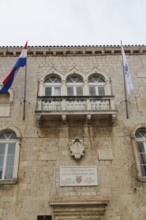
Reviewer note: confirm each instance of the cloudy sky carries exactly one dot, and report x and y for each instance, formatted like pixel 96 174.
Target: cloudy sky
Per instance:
pixel 72 22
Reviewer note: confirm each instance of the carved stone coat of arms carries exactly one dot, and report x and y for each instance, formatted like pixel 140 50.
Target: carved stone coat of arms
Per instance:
pixel 77 148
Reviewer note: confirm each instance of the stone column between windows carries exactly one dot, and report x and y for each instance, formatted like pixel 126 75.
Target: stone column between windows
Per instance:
pixel 63 88
pixel 108 88
pixel 86 89
pixel 41 88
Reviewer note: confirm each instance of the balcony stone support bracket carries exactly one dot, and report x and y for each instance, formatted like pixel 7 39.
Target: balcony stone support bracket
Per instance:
pixel 114 120
pixel 88 119
pixel 64 119
pixel 38 119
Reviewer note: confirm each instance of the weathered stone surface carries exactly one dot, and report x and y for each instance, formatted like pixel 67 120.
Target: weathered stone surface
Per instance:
pixel 44 149
pixel 141 104
pixel 105 154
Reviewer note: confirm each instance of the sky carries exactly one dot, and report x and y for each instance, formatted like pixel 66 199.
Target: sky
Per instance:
pixel 72 22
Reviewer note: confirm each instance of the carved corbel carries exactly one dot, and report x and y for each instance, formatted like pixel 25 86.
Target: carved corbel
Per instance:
pixel 88 119
pixel 38 120
pixel 114 119
pixel 64 119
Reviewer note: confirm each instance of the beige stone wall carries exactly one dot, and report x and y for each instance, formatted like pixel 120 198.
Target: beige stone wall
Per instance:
pixel 44 150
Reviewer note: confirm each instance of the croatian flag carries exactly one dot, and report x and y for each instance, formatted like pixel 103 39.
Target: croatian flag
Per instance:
pixel 127 73
pixel 21 62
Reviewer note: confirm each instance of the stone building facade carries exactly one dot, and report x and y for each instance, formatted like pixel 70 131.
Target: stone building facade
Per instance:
pixel 72 153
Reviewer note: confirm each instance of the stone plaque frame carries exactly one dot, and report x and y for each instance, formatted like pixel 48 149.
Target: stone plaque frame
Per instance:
pixel 78 176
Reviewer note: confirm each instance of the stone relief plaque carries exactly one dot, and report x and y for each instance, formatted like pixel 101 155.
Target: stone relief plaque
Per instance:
pixel 78 176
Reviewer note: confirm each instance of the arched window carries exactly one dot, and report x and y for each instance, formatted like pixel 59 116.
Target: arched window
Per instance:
pixel 8 145
pixel 141 146
pixel 96 85
pixel 52 85
pixel 74 86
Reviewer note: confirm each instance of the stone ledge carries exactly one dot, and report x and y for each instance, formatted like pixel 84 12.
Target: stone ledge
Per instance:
pixel 9 182
pixel 78 203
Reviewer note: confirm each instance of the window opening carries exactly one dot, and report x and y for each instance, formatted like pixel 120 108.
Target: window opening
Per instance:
pixel 7 154
pixel 141 145
pixel 74 86
pixel 96 85
pixel 52 86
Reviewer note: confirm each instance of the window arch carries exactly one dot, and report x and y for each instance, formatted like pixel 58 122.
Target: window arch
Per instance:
pixel 97 86
pixel 74 85
pixel 52 85
pixel 9 156
pixel 141 147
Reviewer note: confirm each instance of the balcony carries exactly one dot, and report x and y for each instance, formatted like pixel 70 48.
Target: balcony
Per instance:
pixel 76 109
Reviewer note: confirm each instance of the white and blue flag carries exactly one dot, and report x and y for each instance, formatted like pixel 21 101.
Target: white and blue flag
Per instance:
pixel 127 73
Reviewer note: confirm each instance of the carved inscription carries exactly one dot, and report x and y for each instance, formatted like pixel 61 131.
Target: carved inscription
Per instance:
pixel 78 176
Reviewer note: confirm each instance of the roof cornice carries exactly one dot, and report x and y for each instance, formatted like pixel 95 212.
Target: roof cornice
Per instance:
pixel 74 50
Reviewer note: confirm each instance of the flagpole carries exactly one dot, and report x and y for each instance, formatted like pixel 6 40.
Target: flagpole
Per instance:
pixel 25 81
pixel 125 90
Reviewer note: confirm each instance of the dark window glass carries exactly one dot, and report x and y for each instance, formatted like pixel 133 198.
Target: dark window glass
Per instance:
pixel 44 217
pixel 48 91
pixel 79 91
pixel 70 91
pixel 7 154
pixel 101 90
pixel 92 91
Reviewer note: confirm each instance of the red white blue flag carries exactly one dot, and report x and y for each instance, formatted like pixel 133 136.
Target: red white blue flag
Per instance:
pixel 21 62
pixel 127 73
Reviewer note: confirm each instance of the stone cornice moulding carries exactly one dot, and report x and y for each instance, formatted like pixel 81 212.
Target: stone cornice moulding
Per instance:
pixel 74 50
pixel 89 209
pixel 70 203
